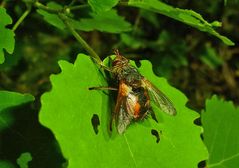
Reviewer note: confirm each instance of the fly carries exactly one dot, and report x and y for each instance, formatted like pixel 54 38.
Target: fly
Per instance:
pixel 135 93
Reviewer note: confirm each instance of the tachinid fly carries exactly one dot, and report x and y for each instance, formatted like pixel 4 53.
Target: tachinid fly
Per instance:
pixel 134 95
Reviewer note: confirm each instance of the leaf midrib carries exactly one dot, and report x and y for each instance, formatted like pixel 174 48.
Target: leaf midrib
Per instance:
pixel 224 160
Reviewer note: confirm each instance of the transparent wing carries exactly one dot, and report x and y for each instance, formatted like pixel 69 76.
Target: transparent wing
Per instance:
pixel 123 110
pixel 123 119
pixel 159 98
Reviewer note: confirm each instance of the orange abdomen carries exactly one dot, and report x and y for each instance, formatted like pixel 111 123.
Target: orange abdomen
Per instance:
pixel 136 110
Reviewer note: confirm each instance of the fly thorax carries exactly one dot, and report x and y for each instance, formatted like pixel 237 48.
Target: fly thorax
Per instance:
pixel 133 78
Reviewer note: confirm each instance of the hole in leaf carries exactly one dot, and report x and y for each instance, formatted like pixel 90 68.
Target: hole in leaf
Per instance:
pixel 202 164
pixel 95 121
pixel 137 63
pixel 201 135
pixel 198 121
pixel 156 134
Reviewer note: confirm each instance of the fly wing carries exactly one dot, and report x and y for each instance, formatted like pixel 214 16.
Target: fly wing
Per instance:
pixel 123 119
pixel 159 98
pixel 123 109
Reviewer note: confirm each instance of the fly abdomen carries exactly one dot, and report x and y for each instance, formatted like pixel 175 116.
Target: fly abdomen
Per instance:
pixel 142 105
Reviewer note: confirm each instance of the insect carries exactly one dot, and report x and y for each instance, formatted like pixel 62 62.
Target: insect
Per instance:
pixel 135 94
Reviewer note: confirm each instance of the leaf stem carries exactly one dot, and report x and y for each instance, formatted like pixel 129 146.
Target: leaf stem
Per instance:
pixel 95 56
pixel 64 18
pixel 78 7
pixel 46 8
pixel 20 20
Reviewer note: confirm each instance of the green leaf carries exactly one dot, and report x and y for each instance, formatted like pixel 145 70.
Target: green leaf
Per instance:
pixel 13 59
pixel 10 99
pixel 52 19
pixel 7 40
pixel 23 160
pixel 102 6
pixel 108 21
pixel 188 17
pixel 69 107
pixel 221 124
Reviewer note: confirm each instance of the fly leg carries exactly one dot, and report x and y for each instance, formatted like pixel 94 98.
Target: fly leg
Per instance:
pixel 153 115
pixel 113 113
pixel 102 88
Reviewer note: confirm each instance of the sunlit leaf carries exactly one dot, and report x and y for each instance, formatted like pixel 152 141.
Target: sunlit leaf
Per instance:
pixel 68 110
pixel 220 122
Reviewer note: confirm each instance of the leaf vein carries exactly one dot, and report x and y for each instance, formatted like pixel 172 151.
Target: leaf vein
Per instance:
pixel 224 160
pixel 130 151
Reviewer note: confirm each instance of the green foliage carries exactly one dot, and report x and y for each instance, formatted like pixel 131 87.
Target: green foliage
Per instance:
pixel 220 123
pixel 7 40
pixel 188 17
pixel 69 107
pixel 13 59
pixel 23 160
pixel 108 21
pixel 102 6
pixel 210 57
pixel 173 58
pixel 130 41
pixel 6 119
pixel 169 52
pixel 225 2
pixel 105 21
pixel 52 19
pixel 6 164
pixel 11 99
pixel 150 16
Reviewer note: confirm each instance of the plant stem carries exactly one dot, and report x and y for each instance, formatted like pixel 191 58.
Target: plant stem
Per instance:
pixel 46 8
pixel 64 18
pixel 93 54
pixel 78 7
pixel 20 20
